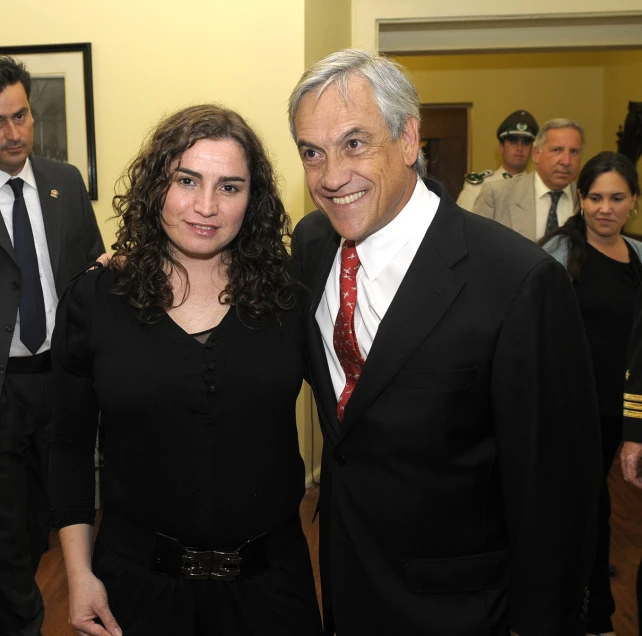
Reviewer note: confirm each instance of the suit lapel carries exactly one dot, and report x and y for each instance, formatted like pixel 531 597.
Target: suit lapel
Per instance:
pixel 321 253
pixel 522 207
pixel 51 211
pixel 5 241
pixel 424 296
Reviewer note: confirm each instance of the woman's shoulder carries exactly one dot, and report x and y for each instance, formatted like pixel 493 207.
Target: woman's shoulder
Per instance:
pixel 88 286
pixel 557 246
pixel 635 244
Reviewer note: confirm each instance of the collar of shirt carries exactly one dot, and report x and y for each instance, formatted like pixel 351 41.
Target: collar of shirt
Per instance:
pixel 542 190
pixel 26 174
pixel 378 250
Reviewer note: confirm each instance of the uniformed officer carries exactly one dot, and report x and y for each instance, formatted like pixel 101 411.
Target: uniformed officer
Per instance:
pixel 516 134
pixel 631 454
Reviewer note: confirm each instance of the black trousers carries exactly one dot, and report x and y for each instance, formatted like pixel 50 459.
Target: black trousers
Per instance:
pixel 277 600
pixel 25 521
pixel 601 604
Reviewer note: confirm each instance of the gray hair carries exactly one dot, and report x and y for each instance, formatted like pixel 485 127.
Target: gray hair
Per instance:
pixel 393 90
pixel 552 124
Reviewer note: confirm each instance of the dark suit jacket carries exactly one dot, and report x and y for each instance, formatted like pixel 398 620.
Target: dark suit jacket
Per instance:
pixel 73 239
pixel 512 203
pixel 458 494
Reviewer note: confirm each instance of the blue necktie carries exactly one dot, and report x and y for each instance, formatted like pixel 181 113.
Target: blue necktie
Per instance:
pixel 33 325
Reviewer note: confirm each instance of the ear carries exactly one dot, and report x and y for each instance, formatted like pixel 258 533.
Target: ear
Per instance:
pixel 410 141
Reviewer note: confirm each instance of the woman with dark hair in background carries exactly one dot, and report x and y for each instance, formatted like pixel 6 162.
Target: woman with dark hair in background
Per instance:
pixel 192 350
pixel 606 273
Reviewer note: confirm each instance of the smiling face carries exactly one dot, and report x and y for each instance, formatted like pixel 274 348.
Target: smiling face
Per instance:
pixel 516 153
pixel 607 205
pixel 558 160
pixel 356 174
pixel 207 199
pixel 16 129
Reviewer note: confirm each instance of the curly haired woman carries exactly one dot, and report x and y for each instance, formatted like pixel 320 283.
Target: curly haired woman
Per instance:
pixel 191 348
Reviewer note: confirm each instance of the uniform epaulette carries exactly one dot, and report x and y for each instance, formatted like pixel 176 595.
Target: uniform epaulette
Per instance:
pixel 477 178
pixel 633 405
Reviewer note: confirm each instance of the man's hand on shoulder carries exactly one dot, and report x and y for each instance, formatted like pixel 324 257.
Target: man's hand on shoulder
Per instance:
pixel 631 460
pixel 104 259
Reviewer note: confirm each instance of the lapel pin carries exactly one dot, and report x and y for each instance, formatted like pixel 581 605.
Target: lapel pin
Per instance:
pixel 54 194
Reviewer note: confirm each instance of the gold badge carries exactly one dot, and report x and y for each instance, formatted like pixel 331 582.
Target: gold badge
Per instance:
pixel 54 194
pixel 627 375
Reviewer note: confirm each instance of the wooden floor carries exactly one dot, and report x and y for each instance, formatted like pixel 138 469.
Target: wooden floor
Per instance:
pixel 626 549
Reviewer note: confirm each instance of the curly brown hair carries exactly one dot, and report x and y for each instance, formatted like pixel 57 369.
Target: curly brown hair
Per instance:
pixel 259 284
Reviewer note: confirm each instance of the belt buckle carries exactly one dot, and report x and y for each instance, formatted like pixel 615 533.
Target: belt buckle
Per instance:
pixel 212 564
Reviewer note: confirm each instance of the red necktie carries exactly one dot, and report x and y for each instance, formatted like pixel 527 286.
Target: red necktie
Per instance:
pixel 345 339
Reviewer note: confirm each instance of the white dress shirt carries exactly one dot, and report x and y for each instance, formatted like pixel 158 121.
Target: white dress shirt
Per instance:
pixel 543 206
pixel 385 258
pixel 30 193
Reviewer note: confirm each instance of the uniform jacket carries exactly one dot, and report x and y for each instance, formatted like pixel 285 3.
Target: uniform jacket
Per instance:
pixel 73 239
pixel 512 203
pixel 457 495
pixel 632 421
pixel 470 191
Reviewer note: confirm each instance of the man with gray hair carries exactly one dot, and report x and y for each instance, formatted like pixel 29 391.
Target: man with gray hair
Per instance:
pixel 450 501
pixel 537 203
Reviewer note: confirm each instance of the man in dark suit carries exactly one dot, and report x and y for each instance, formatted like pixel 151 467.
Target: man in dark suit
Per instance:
pixel 631 452
pixel 461 459
pixel 48 233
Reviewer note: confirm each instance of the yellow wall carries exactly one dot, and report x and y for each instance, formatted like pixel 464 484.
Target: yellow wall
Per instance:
pixel 546 84
pixel 152 57
pixel 327 28
pixel 622 73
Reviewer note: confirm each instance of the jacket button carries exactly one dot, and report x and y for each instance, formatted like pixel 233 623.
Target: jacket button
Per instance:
pixel 10 327
pixel 340 460
pixel 15 284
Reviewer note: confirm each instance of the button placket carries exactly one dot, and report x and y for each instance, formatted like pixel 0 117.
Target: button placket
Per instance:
pixel 209 370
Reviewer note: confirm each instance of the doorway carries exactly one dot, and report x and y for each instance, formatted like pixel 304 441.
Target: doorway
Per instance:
pixel 444 141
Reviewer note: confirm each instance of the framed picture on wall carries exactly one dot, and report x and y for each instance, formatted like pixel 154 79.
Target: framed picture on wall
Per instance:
pixel 62 103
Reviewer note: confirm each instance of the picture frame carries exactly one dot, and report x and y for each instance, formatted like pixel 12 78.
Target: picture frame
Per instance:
pixel 62 101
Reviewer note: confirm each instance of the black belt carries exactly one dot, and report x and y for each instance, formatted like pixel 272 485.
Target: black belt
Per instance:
pixel 30 364
pixel 165 555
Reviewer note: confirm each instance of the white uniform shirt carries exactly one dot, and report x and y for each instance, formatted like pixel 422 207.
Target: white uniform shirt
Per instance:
pixel 385 258
pixel 470 192
pixel 30 193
